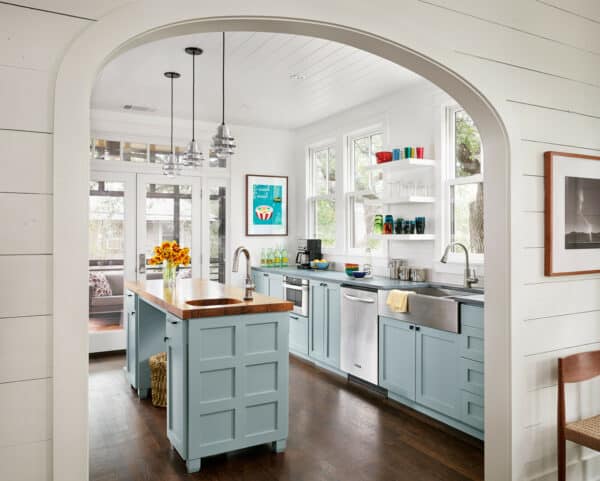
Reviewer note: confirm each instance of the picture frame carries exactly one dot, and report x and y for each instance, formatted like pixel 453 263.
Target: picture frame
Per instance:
pixel 266 205
pixel 571 214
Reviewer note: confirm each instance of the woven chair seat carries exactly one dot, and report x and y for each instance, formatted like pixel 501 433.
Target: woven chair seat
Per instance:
pixel 585 432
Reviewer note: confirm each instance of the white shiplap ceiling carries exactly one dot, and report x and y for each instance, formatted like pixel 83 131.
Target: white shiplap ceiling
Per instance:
pixel 259 87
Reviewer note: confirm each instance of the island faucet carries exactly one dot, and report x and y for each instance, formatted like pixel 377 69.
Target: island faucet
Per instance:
pixel 248 284
pixel 470 274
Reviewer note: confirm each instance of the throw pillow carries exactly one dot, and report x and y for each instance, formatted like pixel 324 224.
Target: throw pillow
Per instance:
pixel 99 284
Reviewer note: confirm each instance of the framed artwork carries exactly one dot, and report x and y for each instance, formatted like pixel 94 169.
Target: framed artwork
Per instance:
pixel 266 205
pixel 572 214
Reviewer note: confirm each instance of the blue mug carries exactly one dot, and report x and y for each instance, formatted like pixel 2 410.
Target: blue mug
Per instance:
pixel 396 154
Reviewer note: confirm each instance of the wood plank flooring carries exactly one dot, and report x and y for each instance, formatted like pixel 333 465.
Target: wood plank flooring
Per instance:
pixel 338 432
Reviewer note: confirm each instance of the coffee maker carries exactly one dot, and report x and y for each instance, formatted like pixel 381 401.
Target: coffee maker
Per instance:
pixel 308 250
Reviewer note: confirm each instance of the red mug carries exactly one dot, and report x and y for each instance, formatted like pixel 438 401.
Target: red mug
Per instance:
pixel 420 152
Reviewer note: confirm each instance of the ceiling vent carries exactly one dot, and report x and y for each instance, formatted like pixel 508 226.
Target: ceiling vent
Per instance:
pixel 138 108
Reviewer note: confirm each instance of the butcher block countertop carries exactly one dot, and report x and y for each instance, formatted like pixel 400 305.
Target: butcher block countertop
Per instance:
pixel 176 301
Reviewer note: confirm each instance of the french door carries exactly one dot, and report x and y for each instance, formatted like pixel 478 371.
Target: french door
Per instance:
pixel 168 209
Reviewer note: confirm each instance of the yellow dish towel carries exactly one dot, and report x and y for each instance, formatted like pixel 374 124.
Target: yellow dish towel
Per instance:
pixel 397 300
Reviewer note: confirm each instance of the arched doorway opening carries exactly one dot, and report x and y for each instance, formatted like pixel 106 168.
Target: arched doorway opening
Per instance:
pixel 107 39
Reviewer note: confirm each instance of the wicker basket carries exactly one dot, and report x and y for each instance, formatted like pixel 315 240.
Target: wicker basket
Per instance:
pixel 158 379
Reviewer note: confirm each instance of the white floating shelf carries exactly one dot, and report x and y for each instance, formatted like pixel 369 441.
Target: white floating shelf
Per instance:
pixel 404 237
pixel 411 199
pixel 403 165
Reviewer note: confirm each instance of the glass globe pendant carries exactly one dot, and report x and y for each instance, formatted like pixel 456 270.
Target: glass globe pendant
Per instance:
pixel 223 144
pixel 193 156
pixel 171 166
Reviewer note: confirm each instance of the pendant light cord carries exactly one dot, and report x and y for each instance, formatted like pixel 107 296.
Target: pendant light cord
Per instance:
pixel 193 97
pixel 223 83
pixel 172 153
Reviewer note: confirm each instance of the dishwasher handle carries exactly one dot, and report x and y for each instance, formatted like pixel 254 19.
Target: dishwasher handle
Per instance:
pixel 359 299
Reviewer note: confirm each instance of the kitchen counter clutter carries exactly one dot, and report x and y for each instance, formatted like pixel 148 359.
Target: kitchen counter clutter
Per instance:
pixel 227 369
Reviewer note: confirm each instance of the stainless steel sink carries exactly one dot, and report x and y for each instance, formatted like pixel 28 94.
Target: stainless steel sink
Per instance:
pixel 430 306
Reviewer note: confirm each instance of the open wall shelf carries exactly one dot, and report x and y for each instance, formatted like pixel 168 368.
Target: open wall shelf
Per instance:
pixel 403 237
pixel 403 165
pixel 411 199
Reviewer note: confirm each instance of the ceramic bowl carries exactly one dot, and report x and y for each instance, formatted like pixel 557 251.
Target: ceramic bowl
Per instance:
pixel 322 265
pixel 359 274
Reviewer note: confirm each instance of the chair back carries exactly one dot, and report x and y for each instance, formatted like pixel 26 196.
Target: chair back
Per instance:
pixel 579 367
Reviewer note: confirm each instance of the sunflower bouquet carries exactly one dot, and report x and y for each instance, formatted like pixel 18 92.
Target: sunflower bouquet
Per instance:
pixel 171 255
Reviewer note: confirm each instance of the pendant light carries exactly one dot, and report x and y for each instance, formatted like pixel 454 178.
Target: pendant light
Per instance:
pixel 193 155
pixel 171 167
pixel 223 143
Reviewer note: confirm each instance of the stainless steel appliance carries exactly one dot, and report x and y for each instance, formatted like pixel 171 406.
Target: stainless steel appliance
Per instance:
pixel 295 290
pixel 308 250
pixel 359 338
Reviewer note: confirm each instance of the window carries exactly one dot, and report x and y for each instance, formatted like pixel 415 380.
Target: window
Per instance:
pixel 464 183
pixel 362 180
pixel 321 195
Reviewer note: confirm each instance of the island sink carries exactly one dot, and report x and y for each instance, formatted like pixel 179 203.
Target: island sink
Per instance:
pixel 226 301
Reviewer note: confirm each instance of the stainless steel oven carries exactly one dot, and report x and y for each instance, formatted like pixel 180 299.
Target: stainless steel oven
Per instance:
pixel 295 290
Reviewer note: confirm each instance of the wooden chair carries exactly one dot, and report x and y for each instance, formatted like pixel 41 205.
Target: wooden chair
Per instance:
pixel 586 432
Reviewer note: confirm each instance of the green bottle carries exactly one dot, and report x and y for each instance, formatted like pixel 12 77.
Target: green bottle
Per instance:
pixel 284 257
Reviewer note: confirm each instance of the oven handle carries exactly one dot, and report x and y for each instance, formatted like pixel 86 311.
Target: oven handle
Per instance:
pixel 296 288
pixel 359 299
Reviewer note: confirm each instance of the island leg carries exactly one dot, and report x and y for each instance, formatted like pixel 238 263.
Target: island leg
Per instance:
pixel 143 393
pixel 279 446
pixel 192 465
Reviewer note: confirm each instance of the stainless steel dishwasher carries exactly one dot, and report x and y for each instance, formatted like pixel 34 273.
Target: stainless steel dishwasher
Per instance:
pixel 359 338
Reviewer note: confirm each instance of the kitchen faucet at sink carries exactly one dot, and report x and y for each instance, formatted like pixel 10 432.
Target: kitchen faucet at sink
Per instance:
pixel 470 274
pixel 248 284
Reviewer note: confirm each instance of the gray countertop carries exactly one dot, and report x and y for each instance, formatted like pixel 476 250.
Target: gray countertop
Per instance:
pixel 472 296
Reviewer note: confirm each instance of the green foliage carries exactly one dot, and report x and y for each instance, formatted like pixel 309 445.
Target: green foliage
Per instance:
pixel 467 144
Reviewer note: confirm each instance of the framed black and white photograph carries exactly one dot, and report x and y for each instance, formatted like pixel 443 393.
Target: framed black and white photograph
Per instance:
pixel 572 214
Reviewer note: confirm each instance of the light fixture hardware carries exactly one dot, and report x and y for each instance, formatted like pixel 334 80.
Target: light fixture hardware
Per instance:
pixel 193 156
pixel 223 143
pixel 171 167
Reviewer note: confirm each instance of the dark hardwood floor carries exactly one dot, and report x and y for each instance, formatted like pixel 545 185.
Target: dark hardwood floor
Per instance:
pixel 338 432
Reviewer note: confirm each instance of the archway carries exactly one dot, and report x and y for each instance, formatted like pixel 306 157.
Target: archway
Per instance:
pixel 146 21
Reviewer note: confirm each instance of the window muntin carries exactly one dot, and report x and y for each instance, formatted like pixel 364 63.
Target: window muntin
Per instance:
pixel 464 184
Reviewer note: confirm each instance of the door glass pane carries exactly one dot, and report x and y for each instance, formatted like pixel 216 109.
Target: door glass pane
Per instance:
pixel 168 217
pixel 467 216
pixel 159 153
pixel 106 255
pixel 217 231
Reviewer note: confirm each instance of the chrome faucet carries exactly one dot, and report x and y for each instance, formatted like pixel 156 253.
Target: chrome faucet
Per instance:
pixel 248 284
pixel 470 274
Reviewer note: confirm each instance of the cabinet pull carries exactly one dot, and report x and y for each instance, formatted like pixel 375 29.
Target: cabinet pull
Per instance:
pixel 174 322
pixel 294 317
pixel 129 295
pixel 411 327
pixel 417 328
pixel 165 339
pixel 133 313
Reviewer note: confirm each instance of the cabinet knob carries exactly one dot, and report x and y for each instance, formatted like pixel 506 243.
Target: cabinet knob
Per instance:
pixel 411 327
pixel 417 328
pixel 133 313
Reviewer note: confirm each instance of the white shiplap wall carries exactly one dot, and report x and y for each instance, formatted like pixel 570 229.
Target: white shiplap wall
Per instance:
pixel 537 60
pixel 31 47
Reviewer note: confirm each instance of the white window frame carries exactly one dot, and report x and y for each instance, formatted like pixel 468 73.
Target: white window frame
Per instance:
pixel 449 180
pixel 312 197
pixel 350 194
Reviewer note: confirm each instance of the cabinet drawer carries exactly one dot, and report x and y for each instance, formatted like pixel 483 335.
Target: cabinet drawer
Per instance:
pixel 174 330
pixel 471 316
pixel 471 343
pixel 472 410
pixel 471 376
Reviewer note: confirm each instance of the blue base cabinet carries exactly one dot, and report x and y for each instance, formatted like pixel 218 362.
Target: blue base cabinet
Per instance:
pixel 228 384
pixel 436 372
pixel 299 335
pixel 268 283
pixel 324 323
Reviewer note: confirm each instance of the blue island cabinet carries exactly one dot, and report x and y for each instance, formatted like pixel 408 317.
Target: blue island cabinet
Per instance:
pixel 227 381
pixel 268 283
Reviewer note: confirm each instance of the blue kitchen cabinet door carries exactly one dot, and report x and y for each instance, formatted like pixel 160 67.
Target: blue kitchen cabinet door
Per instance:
pixel 177 381
pixel 331 293
pixel 438 371
pixel 261 282
pixel 275 282
pixel 397 357
pixel 316 321
pixel 130 310
pixel 298 334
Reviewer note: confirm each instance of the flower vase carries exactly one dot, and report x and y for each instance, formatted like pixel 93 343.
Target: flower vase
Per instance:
pixel 169 274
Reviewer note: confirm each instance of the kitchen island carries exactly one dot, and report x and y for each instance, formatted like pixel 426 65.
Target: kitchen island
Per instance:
pixel 227 369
